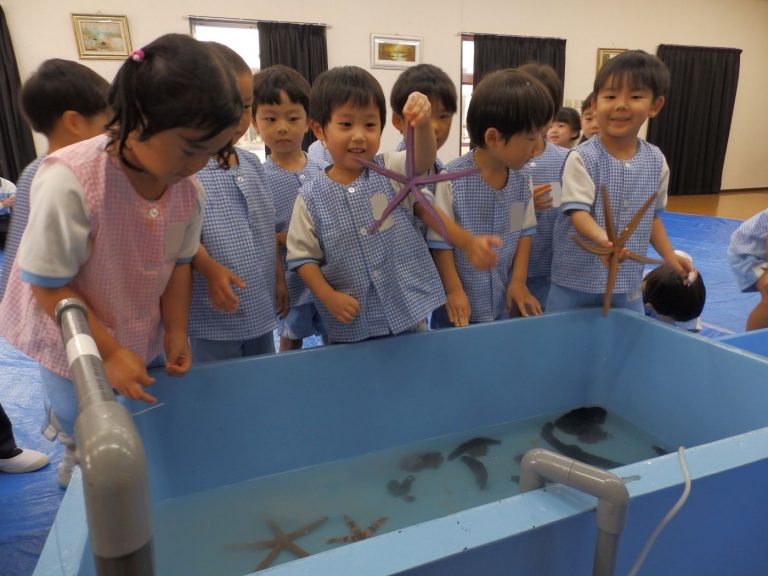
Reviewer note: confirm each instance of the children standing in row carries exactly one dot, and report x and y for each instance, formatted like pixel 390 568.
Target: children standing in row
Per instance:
pixel 505 120
pixel 628 90
pixel 116 221
pixel 369 284
pixel 67 103
pixel 237 248
pixel 280 116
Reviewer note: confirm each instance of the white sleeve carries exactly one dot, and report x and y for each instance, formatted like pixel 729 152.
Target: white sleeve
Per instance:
pixel 55 242
pixel 302 243
pixel 578 187
pixel 192 234
pixel 661 195
pixel 444 201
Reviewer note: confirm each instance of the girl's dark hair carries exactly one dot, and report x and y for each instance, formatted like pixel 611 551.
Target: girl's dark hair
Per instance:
pixel 640 69
pixel 587 102
pixel 665 291
pixel 547 75
pixel 427 79
pixel 570 117
pixel 269 82
pixel 510 101
pixel 342 85
pixel 173 82
pixel 61 85
pixel 231 59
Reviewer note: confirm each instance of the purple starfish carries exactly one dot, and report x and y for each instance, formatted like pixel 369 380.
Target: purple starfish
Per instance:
pixel 411 182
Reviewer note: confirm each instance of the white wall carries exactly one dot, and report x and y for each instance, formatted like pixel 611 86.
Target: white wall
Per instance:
pixel 42 29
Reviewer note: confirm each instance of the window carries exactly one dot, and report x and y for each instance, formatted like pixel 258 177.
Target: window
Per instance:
pixel 467 83
pixel 243 37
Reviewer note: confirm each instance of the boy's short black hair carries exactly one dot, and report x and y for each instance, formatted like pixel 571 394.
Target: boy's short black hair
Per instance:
pixel 61 85
pixel 640 69
pixel 570 117
pixel 428 79
pixel 342 85
pixel 269 82
pixel 665 291
pixel 511 101
pixel 547 75
pixel 230 58
pixel 587 102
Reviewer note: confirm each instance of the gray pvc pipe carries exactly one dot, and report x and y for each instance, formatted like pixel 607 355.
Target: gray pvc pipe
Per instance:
pixel 539 465
pixel 112 458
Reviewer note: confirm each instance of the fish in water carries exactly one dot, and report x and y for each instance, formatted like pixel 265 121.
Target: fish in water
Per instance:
pixel 585 423
pixel 475 447
pixel 573 451
pixel 478 469
pixel 401 489
pixel 418 462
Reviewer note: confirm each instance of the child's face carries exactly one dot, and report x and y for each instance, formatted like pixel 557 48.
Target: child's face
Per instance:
pixel 518 150
pixel 441 122
pixel 589 125
pixel 282 126
pixel 351 133
pixel 172 155
pixel 245 87
pixel 562 134
pixel 621 110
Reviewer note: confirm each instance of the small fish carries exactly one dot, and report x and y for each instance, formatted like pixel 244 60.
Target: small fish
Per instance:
pixel 475 447
pixel 585 423
pixel 478 469
pixel 573 451
pixel 515 478
pixel 418 462
pixel 660 450
pixel 398 489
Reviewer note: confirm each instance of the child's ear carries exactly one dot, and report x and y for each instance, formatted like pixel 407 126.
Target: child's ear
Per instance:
pixel 656 107
pixel 491 137
pixel 398 122
pixel 317 130
pixel 73 122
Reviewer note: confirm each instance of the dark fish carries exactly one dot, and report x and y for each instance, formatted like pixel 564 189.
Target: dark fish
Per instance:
pixel 573 451
pixel 515 478
pixel 478 469
pixel 401 488
pixel 418 462
pixel 475 447
pixel 585 422
pixel 660 450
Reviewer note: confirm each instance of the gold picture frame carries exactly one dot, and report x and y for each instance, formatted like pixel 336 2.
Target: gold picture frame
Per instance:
pixel 605 54
pixel 396 52
pixel 100 36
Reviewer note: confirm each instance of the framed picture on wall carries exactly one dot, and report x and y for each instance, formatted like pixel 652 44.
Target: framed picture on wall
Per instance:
pixel 100 36
pixel 605 54
pixel 395 51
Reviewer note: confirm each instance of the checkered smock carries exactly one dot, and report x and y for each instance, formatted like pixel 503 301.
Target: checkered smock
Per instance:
pixel 748 250
pixel 629 184
pixel 239 233
pixel 284 187
pixel 482 210
pixel 390 272
pixel 545 168
pixel 319 154
pixel 89 229
pixel 18 220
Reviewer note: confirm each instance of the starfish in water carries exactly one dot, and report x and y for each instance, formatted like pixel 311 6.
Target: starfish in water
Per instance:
pixel 617 244
pixel 281 541
pixel 412 183
pixel 357 533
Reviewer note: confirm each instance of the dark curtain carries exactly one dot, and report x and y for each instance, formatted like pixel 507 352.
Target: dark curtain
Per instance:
pixel 17 149
pixel 299 46
pixel 693 127
pixel 496 52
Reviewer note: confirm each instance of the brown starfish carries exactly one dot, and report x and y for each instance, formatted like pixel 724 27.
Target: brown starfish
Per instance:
pixel 617 244
pixel 281 541
pixel 357 533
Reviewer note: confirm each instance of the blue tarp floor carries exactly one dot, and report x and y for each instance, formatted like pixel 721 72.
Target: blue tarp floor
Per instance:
pixel 28 502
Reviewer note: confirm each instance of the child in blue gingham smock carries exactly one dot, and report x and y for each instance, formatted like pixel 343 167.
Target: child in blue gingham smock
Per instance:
pixel 747 255
pixel 628 90
pixel 367 284
pixel 237 247
pixel 508 112
pixel 280 116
